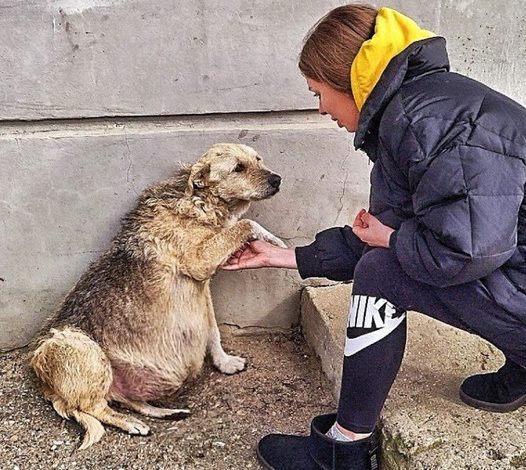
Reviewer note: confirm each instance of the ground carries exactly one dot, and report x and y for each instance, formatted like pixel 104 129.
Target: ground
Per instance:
pixel 280 391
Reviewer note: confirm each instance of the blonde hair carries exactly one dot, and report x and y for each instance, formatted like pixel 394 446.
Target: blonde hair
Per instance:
pixel 332 44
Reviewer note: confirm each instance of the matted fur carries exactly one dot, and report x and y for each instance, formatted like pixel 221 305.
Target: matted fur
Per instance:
pixel 140 320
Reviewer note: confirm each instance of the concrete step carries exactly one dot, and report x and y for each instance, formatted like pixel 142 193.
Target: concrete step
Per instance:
pixel 424 424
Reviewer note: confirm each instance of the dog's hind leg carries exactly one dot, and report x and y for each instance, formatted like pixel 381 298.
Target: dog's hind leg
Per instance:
pixel 94 429
pixel 149 410
pixel 61 407
pixel 127 423
pixel 76 376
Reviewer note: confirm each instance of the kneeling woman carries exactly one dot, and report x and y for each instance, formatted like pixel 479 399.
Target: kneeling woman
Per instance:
pixel 445 233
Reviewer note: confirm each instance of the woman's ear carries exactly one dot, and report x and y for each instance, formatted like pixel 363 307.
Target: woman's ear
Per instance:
pixel 199 176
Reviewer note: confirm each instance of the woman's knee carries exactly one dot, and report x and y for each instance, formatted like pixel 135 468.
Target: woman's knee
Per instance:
pixel 376 271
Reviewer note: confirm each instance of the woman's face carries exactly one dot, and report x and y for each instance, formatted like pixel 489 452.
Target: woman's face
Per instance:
pixel 340 106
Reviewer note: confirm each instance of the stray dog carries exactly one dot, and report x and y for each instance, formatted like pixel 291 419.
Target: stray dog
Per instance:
pixel 139 322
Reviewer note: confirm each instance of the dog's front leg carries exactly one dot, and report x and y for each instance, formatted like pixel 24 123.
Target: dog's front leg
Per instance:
pixel 202 261
pixel 224 362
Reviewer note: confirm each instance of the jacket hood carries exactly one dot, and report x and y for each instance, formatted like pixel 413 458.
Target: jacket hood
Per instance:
pixel 399 50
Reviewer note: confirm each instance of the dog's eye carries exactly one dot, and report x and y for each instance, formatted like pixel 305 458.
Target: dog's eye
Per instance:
pixel 239 168
pixel 258 159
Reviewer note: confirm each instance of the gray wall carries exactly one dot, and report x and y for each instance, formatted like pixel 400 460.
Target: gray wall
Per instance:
pixel 162 81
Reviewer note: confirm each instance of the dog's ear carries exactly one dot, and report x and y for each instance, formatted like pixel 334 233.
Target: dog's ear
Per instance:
pixel 199 177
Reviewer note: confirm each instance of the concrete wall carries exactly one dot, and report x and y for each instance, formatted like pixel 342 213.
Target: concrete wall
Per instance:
pixel 162 81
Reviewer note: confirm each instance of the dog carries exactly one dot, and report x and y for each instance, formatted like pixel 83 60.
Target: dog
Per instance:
pixel 140 321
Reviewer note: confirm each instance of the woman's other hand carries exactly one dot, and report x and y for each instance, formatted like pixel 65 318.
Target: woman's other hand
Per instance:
pixel 370 230
pixel 260 254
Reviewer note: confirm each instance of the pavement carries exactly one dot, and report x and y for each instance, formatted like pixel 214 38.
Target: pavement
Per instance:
pixel 281 390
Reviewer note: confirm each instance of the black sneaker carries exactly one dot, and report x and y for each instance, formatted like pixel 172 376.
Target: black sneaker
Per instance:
pixel 501 391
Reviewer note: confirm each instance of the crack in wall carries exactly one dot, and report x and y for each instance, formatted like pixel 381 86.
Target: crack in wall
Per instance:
pixel 130 163
pixel 344 189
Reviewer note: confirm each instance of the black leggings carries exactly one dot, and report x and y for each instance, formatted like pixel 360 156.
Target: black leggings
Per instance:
pixel 376 333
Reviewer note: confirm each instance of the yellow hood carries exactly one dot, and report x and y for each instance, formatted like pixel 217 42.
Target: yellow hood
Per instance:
pixel 393 32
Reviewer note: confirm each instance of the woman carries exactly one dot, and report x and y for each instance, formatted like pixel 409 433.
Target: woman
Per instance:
pixel 445 233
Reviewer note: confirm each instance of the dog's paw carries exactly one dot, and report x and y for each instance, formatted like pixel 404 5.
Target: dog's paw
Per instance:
pixel 137 427
pixel 261 233
pixel 231 364
pixel 276 241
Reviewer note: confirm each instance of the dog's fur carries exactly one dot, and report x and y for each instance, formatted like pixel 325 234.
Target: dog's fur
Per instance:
pixel 140 320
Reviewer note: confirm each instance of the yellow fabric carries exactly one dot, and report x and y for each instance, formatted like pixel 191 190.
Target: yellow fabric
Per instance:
pixel 393 32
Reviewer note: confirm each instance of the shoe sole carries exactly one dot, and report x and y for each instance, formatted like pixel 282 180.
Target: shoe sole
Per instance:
pixel 493 407
pixel 262 461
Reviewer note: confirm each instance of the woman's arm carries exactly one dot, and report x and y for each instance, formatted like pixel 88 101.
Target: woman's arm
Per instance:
pixel 333 254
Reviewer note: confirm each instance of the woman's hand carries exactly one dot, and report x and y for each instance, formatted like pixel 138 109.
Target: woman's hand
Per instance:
pixel 370 230
pixel 260 254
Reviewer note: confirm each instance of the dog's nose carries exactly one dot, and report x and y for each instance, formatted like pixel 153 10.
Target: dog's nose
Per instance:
pixel 274 180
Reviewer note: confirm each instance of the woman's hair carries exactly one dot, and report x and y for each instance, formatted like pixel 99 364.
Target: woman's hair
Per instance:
pixel 332 44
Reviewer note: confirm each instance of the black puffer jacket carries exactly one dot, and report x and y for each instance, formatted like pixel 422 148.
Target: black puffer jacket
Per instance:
pixel 449 175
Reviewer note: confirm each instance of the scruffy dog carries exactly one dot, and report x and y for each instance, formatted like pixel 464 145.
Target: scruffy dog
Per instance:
pixel 140 320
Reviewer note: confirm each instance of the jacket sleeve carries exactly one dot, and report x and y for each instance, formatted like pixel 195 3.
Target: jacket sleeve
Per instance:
pixel 466 202
pixel 334 255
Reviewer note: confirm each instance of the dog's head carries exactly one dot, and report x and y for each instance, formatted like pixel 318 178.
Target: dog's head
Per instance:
pixel 233 172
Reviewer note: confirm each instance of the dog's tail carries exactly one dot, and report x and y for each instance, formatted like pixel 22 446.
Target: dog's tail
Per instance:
pixel 94 428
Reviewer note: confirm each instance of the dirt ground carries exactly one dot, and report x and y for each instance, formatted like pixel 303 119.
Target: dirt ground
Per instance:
pixel 280 391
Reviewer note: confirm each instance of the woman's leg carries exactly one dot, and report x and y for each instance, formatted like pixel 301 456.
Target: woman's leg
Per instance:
pixel 374 345
pixel 376 333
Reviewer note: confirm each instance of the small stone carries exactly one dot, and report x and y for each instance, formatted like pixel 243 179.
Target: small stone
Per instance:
pixel 218 444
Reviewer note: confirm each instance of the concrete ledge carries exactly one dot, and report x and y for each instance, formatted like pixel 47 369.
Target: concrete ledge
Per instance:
pixel 425 426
